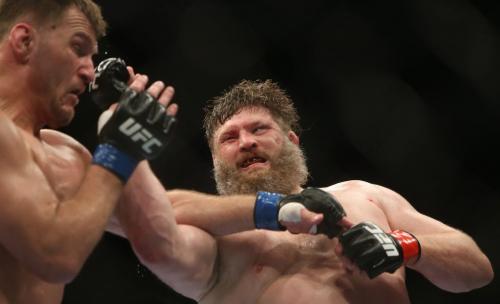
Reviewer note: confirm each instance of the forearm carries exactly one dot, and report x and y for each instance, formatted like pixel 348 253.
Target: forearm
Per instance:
pixel 218 215
pixel 449 258
pixel 145 214
pixel 452 261
pixel 181 256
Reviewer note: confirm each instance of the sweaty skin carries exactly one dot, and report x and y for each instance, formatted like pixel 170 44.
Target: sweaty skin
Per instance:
pixel 62 162
pixel 278 267
pixel 54 203
pixel 206 247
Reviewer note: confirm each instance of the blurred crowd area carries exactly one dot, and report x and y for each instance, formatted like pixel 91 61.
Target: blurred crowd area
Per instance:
pixel 405 94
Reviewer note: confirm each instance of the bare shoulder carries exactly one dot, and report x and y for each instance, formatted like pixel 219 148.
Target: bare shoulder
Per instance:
pixel 54 137
pixel 379 195
pixel 60 140
pixel 356 188
pixel 350 185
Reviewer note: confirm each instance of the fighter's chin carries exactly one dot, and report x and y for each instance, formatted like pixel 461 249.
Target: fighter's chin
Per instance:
pixel 62 118
pixel 71 99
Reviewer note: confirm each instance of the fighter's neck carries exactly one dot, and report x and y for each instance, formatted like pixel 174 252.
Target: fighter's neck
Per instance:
pixel 24 116
pixel 18 105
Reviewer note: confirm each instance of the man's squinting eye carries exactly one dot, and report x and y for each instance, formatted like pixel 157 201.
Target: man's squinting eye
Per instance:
pixel 79 49
pixel 82 45
pixel 227 138
pixel 259 129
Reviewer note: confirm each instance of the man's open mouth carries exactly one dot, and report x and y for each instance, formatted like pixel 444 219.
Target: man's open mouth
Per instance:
pixel 252 160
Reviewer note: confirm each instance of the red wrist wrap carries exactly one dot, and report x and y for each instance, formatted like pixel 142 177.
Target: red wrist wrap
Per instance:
pixel 410 245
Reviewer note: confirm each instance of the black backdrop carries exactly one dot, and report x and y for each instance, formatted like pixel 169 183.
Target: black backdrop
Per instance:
pixel 399 93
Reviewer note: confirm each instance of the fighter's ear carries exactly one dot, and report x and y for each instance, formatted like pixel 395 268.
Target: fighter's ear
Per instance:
pixel 22 40
pixel 293 137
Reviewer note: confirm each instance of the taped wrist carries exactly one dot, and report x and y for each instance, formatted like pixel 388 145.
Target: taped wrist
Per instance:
pixel 114 160
pixel 266 210
pixel 409 244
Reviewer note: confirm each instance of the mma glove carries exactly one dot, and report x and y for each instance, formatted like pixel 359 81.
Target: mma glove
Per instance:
pixel 269 208
pixel 138 129
pixel 375 251
pixel 110 81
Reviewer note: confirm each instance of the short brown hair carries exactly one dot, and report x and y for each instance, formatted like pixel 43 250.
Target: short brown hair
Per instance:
pixel 266 94
pixel 45 10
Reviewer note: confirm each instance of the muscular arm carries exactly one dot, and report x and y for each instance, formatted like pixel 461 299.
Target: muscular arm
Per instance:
pixel 219 215
pixel 50 235
pixel 223 215
pixel 182 256
pixel 450 259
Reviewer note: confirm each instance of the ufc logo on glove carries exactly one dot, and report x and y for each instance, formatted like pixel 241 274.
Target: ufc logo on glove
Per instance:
pixel 137 132
pixel 384 239
pixel 375 251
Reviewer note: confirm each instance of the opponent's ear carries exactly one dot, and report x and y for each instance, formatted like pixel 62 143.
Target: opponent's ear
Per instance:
pixel 293 137
pixel 22 41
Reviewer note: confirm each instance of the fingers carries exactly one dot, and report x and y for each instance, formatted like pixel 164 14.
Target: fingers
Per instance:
pixel 345 223
pixel 156 89
pixel 164 94
pixel 297 219
pixel 165 97
pixel 311 219
pixel 172 109
pixel 138 82
pixel 131 74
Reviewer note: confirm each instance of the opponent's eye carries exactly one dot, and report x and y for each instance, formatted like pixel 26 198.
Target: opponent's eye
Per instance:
pixel 259 129
pixel 227 138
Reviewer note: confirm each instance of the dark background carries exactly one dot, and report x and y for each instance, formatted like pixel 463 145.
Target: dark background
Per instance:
pixel 400 93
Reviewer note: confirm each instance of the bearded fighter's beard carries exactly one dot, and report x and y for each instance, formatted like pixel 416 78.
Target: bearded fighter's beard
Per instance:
pixel 287 172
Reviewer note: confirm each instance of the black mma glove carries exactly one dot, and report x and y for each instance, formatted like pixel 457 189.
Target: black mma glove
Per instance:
pixel 375 251
pixel 268 206
pixel 138 129
pixel 110 81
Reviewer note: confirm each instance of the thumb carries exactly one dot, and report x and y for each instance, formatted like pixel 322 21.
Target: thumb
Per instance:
pixel 317 218
pixel 103 119
pixel 105 116
pixel 311 220
pixel 345 223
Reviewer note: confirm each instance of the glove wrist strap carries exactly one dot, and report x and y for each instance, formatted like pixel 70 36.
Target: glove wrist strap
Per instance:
pixel 266 210
pixel 114 160
pixel 409 244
